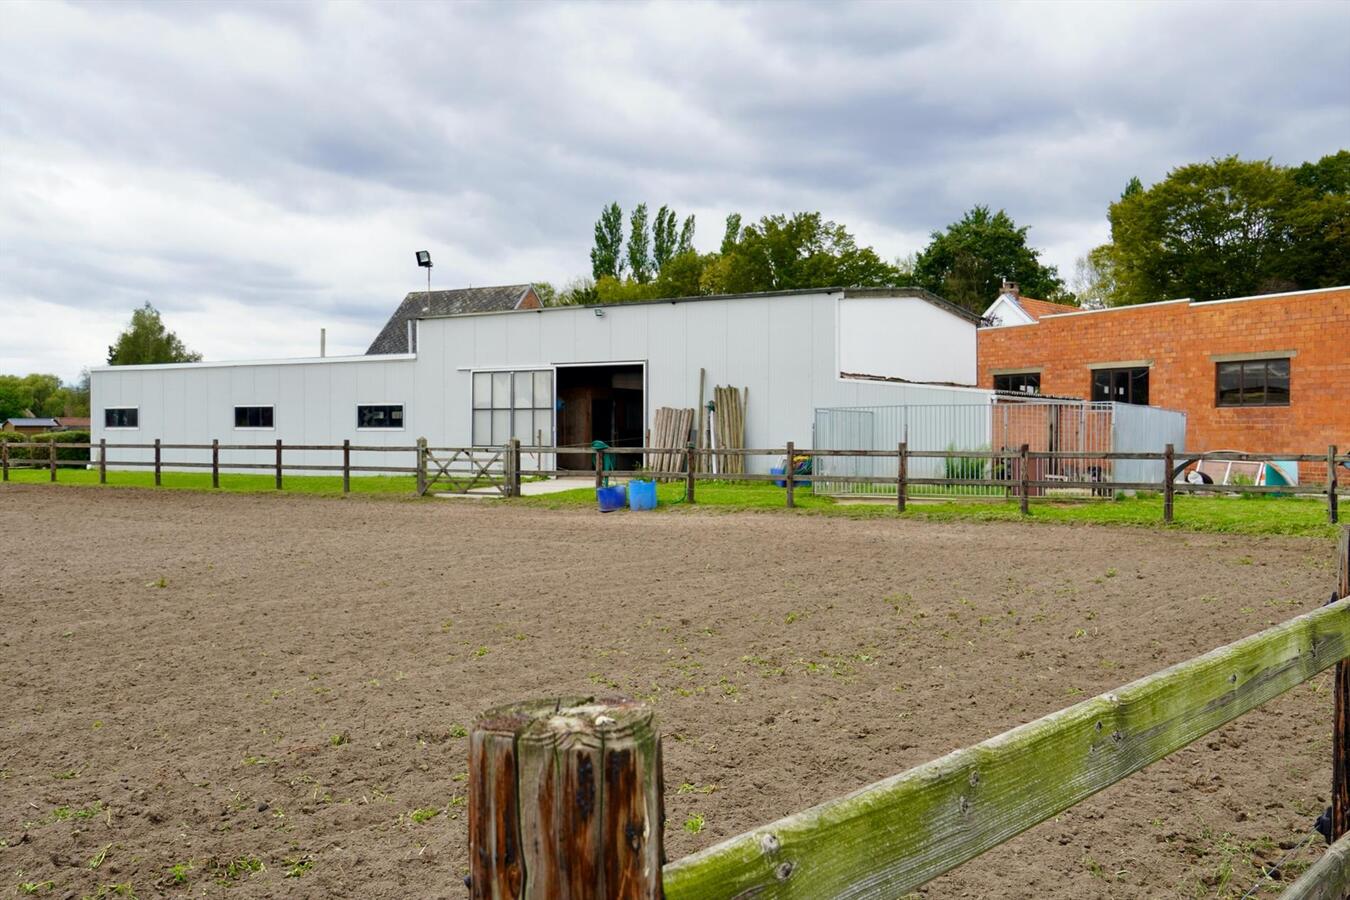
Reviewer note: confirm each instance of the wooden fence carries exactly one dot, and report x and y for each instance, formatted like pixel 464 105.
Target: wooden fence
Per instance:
pixel 565 796
pixel 501 468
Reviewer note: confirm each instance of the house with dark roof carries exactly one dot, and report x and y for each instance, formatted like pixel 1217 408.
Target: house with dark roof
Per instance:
pixel 398 335
pixel 1011 308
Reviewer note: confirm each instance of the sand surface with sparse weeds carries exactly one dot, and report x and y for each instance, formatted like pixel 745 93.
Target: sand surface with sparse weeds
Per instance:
pixel 260 696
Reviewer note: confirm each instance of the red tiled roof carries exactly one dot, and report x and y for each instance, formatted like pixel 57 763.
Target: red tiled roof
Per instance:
pixel 73 421
pixel 1038 308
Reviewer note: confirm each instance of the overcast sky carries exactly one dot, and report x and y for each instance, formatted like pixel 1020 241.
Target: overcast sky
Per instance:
pixel 259 171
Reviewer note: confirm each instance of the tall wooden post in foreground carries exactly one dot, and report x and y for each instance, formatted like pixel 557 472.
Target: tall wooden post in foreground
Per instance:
pixel 421 466
pixel 346 466
pixel 102 460
pixel 51 457
pixel 215 462
pixel 1340 747
pixel 902 475
pixel 1025 461
pixel 787 474
pixel 1168 486
pixel 1332 514
pixel 157 463
pixel 278 463
pixel 565 802
pixel 689 472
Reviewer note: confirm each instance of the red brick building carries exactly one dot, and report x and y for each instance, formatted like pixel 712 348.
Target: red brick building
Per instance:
pixel 1267 374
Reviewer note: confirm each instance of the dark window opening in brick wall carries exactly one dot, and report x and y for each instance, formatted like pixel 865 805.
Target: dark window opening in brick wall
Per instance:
pixel 1121 385
pixel 1252 382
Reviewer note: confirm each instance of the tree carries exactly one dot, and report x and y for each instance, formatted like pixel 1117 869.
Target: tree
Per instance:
pixel 146 341
pixel 1094 279
pixel 1231 227
pixel 967 263
pixel 546 292
pixel 732 234
pixel 663 237
pixel 798 251
pixel 685 244
pixel 639 245
pixel 607 254
pixel 43 395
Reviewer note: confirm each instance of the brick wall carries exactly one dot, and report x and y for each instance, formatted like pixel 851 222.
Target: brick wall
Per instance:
pixel 1179 339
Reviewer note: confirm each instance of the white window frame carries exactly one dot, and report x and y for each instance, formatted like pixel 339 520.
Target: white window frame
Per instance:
pixel 234 411
pixel 402 406
pixel 107 427
pixel 552 369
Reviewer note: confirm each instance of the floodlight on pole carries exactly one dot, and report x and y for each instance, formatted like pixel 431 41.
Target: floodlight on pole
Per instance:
pixel 424 260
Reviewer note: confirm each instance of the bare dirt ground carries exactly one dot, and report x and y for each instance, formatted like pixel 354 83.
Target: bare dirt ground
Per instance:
pixel 261 690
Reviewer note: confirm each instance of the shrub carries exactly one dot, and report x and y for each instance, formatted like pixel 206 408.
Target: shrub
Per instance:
pixel 62 437
pixel 962 466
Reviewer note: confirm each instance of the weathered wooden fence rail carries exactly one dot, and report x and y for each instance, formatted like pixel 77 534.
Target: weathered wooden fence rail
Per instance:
pixel 892 836
pixel 501 468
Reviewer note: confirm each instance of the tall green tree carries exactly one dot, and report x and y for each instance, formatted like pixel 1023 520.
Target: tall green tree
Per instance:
pixel 732 234
pixel 685 243
pixel 146 341
pixel 663 237
pixel 798 251
pixel 967 262
pixel 607 253
pixel 639 245
pixel 43 395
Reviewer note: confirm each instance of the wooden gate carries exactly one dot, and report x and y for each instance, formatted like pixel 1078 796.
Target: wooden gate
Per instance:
pixel 459 470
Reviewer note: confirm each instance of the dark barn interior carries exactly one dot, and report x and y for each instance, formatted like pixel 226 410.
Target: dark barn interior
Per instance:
pixel 600 403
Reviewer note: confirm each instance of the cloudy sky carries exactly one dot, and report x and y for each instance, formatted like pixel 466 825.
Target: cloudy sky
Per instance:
pixel 257 171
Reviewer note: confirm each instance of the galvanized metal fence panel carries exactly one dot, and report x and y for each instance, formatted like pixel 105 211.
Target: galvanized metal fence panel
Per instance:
pixel 1145 428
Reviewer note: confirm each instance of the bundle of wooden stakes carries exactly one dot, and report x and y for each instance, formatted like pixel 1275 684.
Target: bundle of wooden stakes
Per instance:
pixel 672 429
pixel 729 427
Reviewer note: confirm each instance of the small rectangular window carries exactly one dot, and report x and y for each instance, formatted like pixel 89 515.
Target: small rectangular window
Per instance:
pixel 384 415
pixel 1121 385
pixel 1252 382
pixel 122 417
pixel 253 417
pixel 1019 382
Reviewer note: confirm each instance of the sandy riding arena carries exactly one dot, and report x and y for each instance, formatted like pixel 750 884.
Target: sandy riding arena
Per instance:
pixel 259 696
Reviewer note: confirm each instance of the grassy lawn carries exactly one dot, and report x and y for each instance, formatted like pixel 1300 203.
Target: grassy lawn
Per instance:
pixel 1235 515
pixel 243 484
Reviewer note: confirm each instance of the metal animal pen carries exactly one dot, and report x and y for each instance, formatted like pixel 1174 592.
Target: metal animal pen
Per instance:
pixel 1044 424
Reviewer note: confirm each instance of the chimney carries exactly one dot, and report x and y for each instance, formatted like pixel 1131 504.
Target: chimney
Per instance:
pixel 323 342
pixel 1010 287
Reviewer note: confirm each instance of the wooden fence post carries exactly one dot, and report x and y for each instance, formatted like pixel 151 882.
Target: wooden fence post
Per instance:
pixel 1340 746
pixel 157 459
pixel 513 489
pixel 1026 476
pixel 421 467
pixel 570 791
pixel 102 460
pixel 346 466
pixel 1169 486
pixel 4 459
pixel 278 463
pixel 787 474
pixel 1332 511
pixel 599 469
pixel 902 475
pixel 51 457
pixel 689 472
pixel 215 462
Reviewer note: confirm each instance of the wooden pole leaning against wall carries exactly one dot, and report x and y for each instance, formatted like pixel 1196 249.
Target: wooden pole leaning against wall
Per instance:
pixel 1340 745
pixel 102 460
pixel 1168 486
pixel 787 474
pixel 566 802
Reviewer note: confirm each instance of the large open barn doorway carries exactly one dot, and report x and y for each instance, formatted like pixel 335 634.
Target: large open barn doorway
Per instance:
pixel 600 403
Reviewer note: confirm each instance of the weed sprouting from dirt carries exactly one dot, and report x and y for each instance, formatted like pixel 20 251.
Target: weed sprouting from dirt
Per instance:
pixel 97 859
pixel 694 824
pixel 339 739
pixel 34 887
pixel 297 867
pixel 178 872
pixel 425 814
pixel 236 869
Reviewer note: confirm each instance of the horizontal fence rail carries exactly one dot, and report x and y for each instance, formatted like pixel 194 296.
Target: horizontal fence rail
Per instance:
pixel 1010 473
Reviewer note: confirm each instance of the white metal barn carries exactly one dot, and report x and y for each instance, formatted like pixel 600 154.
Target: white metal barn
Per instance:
pixel 562 376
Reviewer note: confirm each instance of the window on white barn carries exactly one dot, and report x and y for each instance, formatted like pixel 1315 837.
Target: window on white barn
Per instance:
pixel 253 417
pixel 513 405
pixel 122 417
pixel 379 415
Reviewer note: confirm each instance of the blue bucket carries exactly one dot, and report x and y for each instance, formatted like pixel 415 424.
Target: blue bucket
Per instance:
pixel 797 480
pixel 642 495
pixel 610 498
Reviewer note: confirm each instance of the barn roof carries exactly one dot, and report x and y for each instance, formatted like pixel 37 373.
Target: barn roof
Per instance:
pixel 393 338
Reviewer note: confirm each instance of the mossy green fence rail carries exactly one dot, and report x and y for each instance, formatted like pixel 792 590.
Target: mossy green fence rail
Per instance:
pixel 582 802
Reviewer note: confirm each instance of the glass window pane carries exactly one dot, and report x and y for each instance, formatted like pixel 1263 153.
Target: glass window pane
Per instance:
pixel 501 390
pixel 501 426
pixel 522 390
pixel 522 420
pixel 1139 386
pixel 543 390
pixel 482 427
pixel 1277 382
pixel 543 428
pixel 1254 382
pixel 1101 385
pixel 1230 384
pixel 482 390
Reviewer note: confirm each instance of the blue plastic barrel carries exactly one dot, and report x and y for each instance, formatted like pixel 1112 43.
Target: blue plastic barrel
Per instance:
pixel 610 498
pixel 642 495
